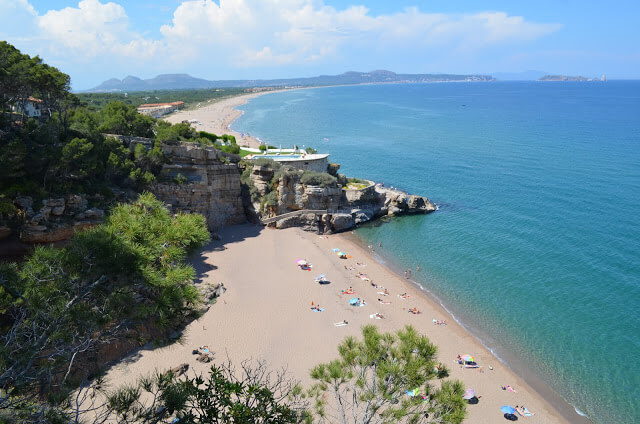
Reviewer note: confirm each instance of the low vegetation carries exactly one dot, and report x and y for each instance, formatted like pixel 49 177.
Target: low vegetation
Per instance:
pixel 191 97
pixel 61 306
pixel 321 179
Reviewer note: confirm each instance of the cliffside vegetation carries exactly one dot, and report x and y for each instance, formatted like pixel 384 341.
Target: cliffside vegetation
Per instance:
pixel 123 279
pixel 64 150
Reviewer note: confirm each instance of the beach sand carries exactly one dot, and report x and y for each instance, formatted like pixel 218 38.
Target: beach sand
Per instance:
pixel 265 314
pixel 216 116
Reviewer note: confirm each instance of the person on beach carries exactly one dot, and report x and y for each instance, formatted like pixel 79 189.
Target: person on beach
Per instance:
pixel 405 274
pixel 409 271
pixel 417 268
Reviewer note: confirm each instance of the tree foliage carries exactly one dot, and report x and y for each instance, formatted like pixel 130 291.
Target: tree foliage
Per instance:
pixel 372 379
pixel 63 304
pixel 252 395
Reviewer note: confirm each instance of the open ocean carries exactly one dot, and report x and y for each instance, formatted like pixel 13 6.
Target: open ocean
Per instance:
pixel 536 243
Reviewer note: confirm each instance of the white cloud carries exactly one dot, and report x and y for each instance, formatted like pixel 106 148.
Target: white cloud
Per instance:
pixel 212 38
pixel 276 32
pixel 94 29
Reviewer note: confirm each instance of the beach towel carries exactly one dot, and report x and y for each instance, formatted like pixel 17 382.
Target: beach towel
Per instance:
pixel 383 293
pixel 317 310
pixel 340 324
pixel 374 316
pixel 526 412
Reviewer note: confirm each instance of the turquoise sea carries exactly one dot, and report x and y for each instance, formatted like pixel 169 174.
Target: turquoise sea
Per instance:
pixel 536 243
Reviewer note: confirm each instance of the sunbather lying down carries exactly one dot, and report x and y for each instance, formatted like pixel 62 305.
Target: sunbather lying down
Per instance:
pixel 404 296
pixel 511 389
pixel 522 410
pixel 341 323
pixel 414 311
pixel 376 316
pixel 384 302
pixel 204 354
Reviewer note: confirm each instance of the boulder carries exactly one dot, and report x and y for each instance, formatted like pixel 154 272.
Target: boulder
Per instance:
pixel 25 203
pixel 341 221
pixel 363 215
pixel 75 203
pixel 54 206
pixel 94 213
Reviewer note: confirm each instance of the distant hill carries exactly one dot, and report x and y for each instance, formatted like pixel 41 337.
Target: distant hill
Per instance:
pixel 184 81
pixel 519 76
pixel 567 78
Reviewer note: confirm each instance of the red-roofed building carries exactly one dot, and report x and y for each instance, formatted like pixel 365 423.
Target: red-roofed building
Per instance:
pixel 158 109
pixel 33 108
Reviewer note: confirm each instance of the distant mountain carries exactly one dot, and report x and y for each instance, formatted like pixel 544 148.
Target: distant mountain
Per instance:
pixel 519 76
pixel 184 81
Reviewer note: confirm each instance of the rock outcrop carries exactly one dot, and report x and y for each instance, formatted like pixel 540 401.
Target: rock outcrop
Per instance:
pixel 202 180
pixel 57 219
pixel 328 208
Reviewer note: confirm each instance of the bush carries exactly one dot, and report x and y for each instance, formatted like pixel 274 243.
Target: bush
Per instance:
pixel 266 163
pixel 180 179
pixel 271 199
pixel 263 147
pixel 321 179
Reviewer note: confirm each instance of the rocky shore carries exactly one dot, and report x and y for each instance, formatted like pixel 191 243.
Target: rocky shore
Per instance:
pixel 227 191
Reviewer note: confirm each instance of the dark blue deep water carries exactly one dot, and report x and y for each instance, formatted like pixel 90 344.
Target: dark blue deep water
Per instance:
pixel 536 246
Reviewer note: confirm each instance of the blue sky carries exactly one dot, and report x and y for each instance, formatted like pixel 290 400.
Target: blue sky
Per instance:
pixel 93 40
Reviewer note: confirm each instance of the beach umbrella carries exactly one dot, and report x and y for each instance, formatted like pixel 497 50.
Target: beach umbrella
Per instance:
pixel 468 358
pixel 320 277
pixel 353 301
pixel 508 410
pixel 301 262
pixel 335 249
pixel 469 393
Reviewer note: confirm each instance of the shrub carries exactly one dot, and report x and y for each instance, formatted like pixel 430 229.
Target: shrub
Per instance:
pixel 266 163
pixel 321 179
pixel 271 199
pixel 263 147
pixel 180 179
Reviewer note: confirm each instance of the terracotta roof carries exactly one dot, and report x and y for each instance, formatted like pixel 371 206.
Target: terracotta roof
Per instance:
pixel 33 99
pixel 162 104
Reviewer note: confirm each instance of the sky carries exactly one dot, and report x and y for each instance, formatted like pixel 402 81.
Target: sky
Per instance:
pixel 94 40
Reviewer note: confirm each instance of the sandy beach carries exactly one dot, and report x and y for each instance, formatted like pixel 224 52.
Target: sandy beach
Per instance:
pixel 216 116
pixel 266 314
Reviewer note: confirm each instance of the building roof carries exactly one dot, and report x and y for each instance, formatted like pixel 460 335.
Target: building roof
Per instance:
pixel 34 100
pixel 162 104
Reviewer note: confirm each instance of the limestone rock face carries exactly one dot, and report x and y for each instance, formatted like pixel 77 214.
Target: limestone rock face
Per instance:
pixel 213 184
pixel 345 208
pixel 58 219
pixel 341 222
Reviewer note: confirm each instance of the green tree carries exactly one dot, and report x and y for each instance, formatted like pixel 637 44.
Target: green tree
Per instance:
pixel 256 396
pixel 62 304
pixel 371 380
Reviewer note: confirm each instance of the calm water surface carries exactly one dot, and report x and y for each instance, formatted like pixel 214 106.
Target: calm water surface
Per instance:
pixel 537 241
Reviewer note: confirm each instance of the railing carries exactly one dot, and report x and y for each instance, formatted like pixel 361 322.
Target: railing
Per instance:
pixel 292 214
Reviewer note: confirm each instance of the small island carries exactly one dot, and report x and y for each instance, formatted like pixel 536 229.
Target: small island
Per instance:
pixel 569 78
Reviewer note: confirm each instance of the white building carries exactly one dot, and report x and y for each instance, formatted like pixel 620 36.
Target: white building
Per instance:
pixel 33 108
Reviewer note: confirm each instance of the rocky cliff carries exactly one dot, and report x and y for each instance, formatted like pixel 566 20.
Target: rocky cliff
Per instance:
pixel 228 191
pixel 324 208
pixel 202 180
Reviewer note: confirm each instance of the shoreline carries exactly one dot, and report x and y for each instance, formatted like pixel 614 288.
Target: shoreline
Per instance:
pixel 502 354
pixel 227 109
pixel 265 314
pixel 216 117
